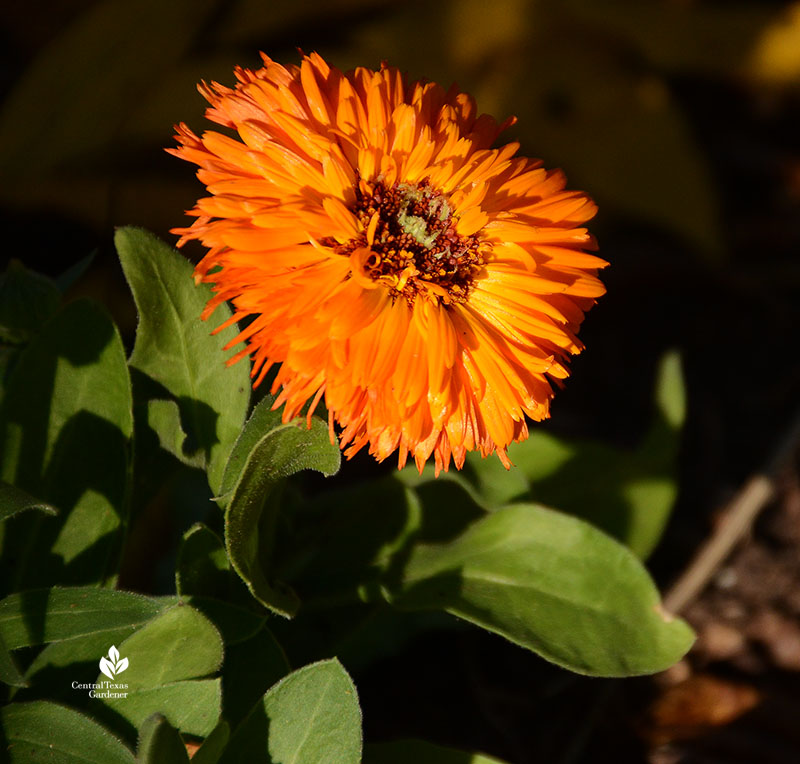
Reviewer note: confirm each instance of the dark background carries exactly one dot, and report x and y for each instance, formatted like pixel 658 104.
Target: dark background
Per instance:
pixel 682 119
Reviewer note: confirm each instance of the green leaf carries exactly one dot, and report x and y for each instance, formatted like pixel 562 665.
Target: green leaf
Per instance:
pixel 166 660
pixel 251 668
pixel 76 658
pixel 627 493
pixel 65 428
pixel 46 732
pixel 179 644
pixel 164 419
pixel 235 624
pixel 160 743
pixel 74 272
pixel 191 706
pixel 419 752
pixel 176 349
pixel 52 615
pixel 383 632
pixel 250 517
pixel 27 301
pixel 204 578
pixel 212 747
pixel 55 668
pixel 264 419
pixel 312 716
pixel 202 566
pixel 553 584
pixel 9 671
pixel 352 536
pixel 14 500
pixel 670 394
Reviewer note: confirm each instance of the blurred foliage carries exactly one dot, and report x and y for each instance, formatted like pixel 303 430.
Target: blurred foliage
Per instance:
pixel 82 128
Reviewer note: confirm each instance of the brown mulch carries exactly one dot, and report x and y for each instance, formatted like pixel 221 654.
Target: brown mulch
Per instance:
pixel 736 697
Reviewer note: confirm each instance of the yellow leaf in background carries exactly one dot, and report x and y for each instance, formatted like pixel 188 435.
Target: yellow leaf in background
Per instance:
pixel 68 107
pixel 616 130
pixel 776 55
pixel 473 39
pixel 485 42
pixel 586 104
pixel 687 37
pixel 589 80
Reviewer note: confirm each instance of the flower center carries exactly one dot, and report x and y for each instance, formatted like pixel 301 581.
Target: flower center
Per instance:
pixel 413 245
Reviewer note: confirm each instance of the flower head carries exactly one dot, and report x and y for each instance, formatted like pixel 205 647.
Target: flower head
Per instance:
pixel 428 285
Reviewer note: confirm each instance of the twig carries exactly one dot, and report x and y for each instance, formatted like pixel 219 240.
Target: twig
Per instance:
pixel 737 518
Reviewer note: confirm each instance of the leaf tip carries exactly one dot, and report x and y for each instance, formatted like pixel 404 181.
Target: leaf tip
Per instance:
pixel 663 614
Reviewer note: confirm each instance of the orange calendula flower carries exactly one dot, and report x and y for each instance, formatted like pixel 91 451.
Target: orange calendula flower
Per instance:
pixel 428 285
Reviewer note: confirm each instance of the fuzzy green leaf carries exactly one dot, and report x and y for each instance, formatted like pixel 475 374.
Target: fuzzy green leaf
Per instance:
pixel 251 513
pixel 27 301
pixel 264 419
pixel 193 706
pixel 354 535
pixel 65 428
pixel 234 623
pixel 552 583
pixel 176 349
pixel 202 566
pixel 69 277
pixel 212 747
pixel 164 419
pixel 167 659
pixel 55 668
pixel 52 615
pixel 9 671
pixel 251 668
pixel 312 716
pixel 14 500
pixel 46 732
pixel 180 644
pixel 160 743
